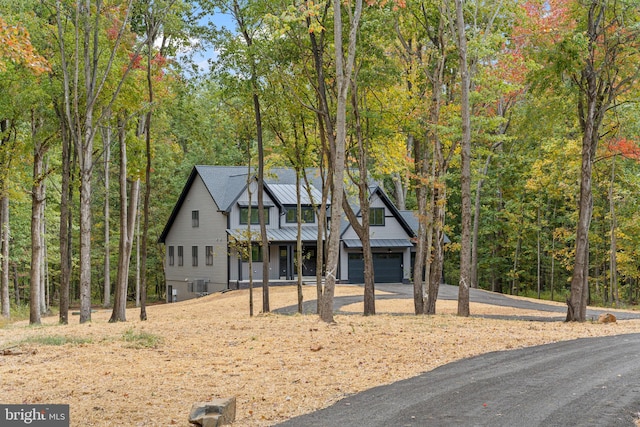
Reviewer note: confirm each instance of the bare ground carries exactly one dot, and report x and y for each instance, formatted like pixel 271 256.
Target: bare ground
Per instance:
pixel 277 366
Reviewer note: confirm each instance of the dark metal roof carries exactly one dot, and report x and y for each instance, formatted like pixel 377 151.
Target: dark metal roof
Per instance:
pixel 286 194
pixel 289 234
pixel 379 243
pixel 226 183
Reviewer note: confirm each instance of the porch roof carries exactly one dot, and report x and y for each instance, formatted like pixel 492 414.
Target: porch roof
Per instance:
pixel 309 234
pixel 379 243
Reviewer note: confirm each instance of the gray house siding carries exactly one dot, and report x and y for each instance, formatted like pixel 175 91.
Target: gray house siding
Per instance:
pixel 209 232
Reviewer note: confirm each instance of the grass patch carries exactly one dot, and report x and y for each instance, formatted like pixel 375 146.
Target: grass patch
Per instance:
pixel 55 340
pixel 141 339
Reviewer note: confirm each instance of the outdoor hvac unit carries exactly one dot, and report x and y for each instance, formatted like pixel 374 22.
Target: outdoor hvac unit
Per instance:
pixel 200 286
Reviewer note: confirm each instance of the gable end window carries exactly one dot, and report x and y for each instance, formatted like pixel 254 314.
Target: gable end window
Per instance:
pixel 307 215
pixel 376 216
pixel 195 219
pixel 180 256
pixel 170 255
pixel 255 219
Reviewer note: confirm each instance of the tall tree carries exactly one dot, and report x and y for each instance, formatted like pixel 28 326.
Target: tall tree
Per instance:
pixel 609 68
pixel 128 210
pixel 83 97
pixel 361 179
pixel 344 65
pixel 41 140
pixel 465 173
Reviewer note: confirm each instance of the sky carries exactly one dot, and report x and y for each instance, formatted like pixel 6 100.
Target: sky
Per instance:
pixel 202 58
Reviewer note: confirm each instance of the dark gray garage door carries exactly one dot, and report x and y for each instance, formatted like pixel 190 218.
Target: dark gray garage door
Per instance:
pixel 386 267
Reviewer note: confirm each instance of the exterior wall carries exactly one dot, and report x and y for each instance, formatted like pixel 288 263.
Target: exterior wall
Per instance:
pixel 235 267
pixel 210 232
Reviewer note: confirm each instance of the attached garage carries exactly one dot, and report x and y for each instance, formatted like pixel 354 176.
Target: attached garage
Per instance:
pixel 387 267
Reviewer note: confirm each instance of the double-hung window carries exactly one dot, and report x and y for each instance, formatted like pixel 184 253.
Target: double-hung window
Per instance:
pixel 376 216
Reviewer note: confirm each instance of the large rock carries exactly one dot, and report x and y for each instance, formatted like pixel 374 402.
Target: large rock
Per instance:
pixel 216 413
pixel 606 318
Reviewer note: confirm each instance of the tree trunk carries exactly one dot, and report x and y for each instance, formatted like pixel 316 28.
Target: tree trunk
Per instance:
pixel 327 138
pixel 106 140
pixel 44 289
pixel 249 253
pixel 128 211
pixel 261 211
pixel 85 155
pixel 435 274
pixel 614 244
pixel 16 284
pixel 476 225
pixel 146 213
pixel 344 68
pixel 362 228
pixel 400 191
pixel 577 309
pixel 37 201
pixel 65 222
pixel 599 86
pixel 4 261
pixel 465 175
pixel 299 240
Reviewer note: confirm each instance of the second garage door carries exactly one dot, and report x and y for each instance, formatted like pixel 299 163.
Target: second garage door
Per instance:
pixel 387 268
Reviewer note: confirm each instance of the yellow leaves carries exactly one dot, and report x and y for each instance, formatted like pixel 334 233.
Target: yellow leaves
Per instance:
pixel 15 45
pixel 390 154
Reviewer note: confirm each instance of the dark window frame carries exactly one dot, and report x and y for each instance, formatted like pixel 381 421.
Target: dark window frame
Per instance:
pixel 180 256
pixel 255 218
pixel 292 215
pixel 194 256
pixel 195 219
pixel 171 255
pixel 375 218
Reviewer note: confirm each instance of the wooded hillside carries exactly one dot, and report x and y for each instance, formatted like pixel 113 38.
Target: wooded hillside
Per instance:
pixel 512 127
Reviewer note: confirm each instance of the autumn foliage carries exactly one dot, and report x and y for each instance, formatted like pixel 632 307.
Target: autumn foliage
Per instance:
pixel 625 147
pixel 15 46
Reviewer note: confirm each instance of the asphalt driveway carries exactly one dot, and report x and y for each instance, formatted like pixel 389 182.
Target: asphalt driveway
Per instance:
pixel 584 382
pixel 449 292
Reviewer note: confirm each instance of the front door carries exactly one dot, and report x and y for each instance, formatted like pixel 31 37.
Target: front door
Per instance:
pixel 309 259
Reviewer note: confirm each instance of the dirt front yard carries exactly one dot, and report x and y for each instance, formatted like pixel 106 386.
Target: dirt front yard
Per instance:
pixel 277 366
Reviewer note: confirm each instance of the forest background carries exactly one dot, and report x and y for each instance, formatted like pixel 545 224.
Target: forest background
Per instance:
pixel 510 126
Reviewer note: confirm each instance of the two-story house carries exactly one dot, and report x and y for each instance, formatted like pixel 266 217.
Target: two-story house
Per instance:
pixel 206 234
